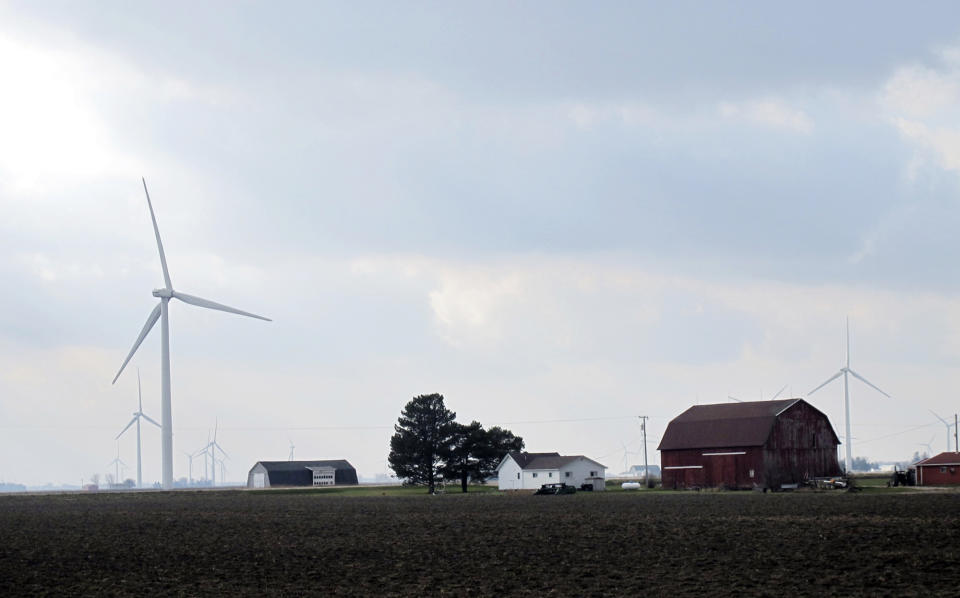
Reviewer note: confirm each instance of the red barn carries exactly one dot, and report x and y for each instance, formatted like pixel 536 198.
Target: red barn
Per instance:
pixel 941 470
pixel 759 444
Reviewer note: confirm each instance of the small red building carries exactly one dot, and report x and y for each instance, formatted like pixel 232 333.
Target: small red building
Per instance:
pixel 759 444
pixel 940 470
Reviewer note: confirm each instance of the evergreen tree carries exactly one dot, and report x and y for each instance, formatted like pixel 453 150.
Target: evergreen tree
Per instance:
pixel 422 440
pixel 475 453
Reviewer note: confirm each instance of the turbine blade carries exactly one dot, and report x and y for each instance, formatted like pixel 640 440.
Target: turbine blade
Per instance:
pixel 139 391
pixel 734 399
pixel 848 341
pixel 829 380
pixel 940 418
pixel 779 391
pixel 126 428
pixel 221 450
pixel 199 302
pixel 150 419
pixel 156 230
pixel 867 382
pixel 151 320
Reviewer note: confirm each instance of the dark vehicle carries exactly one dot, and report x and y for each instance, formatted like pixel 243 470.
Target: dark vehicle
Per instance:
pixel 556 489
pixel 903 478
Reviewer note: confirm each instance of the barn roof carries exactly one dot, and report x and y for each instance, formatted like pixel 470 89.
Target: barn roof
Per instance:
pixel 941 459
pixel 277 466
pixel 724 425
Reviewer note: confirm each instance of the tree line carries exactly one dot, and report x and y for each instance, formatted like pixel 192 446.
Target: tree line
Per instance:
pixel 428 443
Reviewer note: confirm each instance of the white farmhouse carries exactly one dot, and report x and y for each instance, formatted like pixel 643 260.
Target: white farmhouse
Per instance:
pixel 529 471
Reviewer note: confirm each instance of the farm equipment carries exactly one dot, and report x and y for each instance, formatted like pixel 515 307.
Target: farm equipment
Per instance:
pixel 556 489
pixel 834 482
pixel 902 478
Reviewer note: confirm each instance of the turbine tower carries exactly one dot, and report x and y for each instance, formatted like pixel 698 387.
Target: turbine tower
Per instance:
pixel 162 312
pixel 845 371
pixel 136 418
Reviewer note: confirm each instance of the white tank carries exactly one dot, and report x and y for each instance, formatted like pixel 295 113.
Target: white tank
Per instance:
pixel 630 485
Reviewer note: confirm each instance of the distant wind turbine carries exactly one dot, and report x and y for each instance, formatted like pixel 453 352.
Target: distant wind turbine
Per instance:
pixel 844 371
pixel 626 455
pixel 290 458
pixel 945 423
pixel 928 445
pixel 783 388
pixel 118 464
pixel 210 450
pixel 190 466
pixel 136 418
pixel 162 312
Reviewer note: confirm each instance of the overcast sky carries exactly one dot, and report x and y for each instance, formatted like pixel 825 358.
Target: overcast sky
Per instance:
pixel 559 215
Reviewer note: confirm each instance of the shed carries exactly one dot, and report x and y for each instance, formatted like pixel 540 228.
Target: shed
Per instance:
pixel 939 470
pixel 757 444
pixel 528 471
pixel 301 473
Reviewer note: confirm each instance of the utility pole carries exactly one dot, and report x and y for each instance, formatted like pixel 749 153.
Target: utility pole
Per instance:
pixel 956 444
pixel 646 469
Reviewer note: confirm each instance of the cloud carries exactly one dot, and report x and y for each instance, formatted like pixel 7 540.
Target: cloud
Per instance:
pixel 923 104
pixel 772 113
pixel 59 109
pixel 586 115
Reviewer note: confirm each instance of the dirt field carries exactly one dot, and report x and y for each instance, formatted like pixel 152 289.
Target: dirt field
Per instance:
pixel 603 544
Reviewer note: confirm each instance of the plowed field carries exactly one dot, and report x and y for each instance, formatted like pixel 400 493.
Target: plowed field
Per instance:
pixel 601 544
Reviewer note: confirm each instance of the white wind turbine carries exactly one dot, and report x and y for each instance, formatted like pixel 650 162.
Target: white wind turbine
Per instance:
pixel 161 312
pixel 189 457
pixel 136 418
pixel 844 371
pixel 290 458
pixel 118 464
pixel 210 450
pixel 945 423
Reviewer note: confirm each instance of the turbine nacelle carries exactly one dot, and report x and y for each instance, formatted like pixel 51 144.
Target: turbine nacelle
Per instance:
pixel 163 293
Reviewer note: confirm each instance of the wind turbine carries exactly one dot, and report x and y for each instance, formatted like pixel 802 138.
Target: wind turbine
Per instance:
pixel 844 371
pixel 782 388
pixel 162 312
pixel 945 423
pixel 136 418
pixel 290 458
pixel 211 449
pixel 928 445
pixel 204 450
pixel 190 461
pixel 626 455
pixel 118 464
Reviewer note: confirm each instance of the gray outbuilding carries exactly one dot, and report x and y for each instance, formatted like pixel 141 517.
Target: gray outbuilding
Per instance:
pixel 301 473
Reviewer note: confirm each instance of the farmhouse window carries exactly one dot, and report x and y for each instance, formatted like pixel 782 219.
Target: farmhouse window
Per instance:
pixel 593 474
pixel 550 475
pixel 751 473
pixel 566 474
pixel 518 475
pixel 534 474
pixel 943 469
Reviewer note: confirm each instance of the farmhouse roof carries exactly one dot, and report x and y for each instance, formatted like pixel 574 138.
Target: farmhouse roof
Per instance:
pixel 546 460
pixel 523 459
pixel 277 466
pixel 724 425
pixel 941 459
